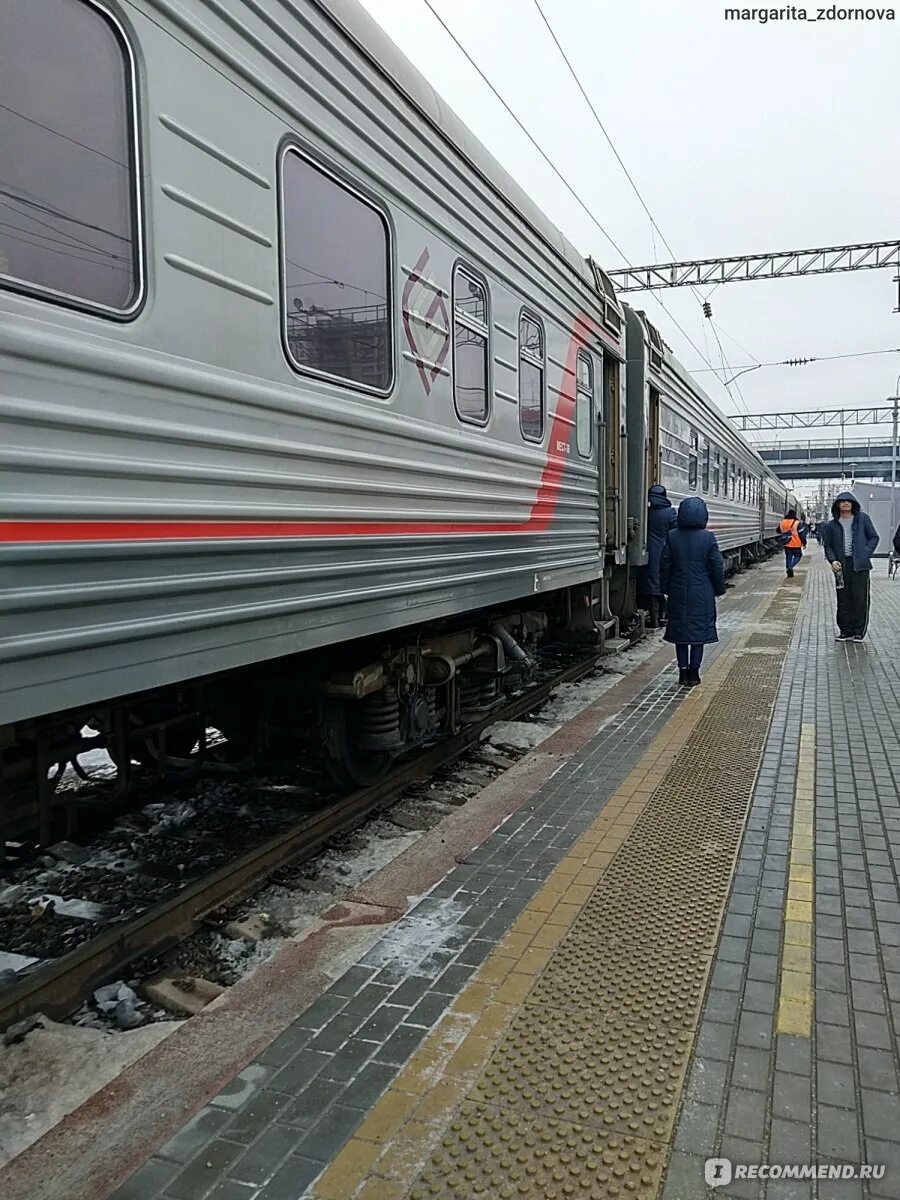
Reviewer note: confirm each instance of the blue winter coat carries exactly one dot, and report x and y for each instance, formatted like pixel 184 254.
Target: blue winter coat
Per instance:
pixel 865 539
pixel 692 574
pixel 660 519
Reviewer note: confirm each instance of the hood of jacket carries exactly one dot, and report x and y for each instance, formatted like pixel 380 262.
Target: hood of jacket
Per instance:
pixel 658 498
pixel 844 496
pixel 692 513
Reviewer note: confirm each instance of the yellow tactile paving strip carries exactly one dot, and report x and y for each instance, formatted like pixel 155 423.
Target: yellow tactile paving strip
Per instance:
pixel 795 995
pixel 558 1071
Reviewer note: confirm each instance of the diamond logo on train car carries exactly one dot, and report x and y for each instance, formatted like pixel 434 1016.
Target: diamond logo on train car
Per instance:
pixel 426 323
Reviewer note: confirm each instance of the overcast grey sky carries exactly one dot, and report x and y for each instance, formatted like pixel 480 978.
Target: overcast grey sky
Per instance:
pixel 741 137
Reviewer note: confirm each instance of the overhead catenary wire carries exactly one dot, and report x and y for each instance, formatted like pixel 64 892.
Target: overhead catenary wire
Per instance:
pixel 793 362
pixel 654 224
pixel 557 171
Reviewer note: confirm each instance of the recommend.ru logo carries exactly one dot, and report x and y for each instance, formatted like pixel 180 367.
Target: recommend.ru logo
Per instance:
pixel 717 1172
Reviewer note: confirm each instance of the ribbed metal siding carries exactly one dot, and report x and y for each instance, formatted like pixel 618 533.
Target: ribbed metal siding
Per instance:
pixel 191 411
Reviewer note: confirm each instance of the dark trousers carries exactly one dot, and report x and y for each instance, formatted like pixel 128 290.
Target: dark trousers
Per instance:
pixel 657 610
pixel 688 657
pixel 853 602
pixel 792 556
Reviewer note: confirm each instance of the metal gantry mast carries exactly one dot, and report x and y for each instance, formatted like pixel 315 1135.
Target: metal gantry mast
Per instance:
pixel 818 418
pixel 779 264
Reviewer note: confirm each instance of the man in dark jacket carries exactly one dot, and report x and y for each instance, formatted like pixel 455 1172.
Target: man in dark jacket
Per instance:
pixel 850 541
pixel 692 574
pixel 660 519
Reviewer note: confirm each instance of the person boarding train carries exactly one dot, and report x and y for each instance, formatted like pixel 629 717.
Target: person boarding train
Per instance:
pixel 661 518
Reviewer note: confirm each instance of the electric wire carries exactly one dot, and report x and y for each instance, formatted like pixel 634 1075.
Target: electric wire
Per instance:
pixel 557 172
pixel 654 224
pixel 786 362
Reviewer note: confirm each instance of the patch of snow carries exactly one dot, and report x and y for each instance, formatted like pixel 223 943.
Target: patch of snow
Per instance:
pixel 418 937
pixel 518 735
pixel 15 962
pixel 244 957
pixel 78 910
pixel 569 700
pixel 351 865
pixel 57 1068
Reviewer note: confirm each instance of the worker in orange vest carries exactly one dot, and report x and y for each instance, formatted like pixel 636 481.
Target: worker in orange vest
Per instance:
pixel 789 536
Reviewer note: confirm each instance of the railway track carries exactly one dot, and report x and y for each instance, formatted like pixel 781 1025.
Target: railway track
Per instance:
pixel 57 987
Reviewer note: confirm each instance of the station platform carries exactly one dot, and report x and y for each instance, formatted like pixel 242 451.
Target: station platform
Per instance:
pixel 682 945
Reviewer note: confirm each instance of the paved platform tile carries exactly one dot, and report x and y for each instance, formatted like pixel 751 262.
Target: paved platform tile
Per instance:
pixel 578 1095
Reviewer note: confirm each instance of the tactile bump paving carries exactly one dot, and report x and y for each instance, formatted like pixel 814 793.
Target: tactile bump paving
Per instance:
pixel 632 984
pixel 605 1074
pixel 501 1156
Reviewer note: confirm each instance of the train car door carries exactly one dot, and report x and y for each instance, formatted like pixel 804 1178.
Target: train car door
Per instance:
pixel 652 473
pixel 615 455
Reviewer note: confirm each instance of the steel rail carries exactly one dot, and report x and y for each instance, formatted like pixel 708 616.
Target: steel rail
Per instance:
pixel 57 988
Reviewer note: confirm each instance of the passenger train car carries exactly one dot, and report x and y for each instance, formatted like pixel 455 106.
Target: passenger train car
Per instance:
pixel 310 418
pixel 695 450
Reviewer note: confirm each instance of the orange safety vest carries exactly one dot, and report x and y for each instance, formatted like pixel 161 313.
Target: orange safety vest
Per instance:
pixel 791 526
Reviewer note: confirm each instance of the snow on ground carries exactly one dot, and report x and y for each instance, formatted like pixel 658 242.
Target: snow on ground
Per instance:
pixel 383 842
pixel 570 699
pixel 293 910
pixel 55 1069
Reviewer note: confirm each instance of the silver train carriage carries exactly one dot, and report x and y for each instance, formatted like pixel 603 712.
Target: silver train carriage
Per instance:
pixel 290 367
pixel 695 450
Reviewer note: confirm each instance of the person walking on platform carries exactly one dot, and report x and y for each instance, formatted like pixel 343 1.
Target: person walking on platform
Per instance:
pixel 791 538
pixel 850 542
pixel 660 519
pixel 692 575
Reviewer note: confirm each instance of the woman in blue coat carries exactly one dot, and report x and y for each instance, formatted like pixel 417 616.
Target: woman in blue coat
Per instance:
pixel 692 574
pixel 660 519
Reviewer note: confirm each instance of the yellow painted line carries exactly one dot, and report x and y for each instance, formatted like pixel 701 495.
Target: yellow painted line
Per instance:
pixel 795 998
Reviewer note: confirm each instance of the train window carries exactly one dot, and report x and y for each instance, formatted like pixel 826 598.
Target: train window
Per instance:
pixel 336 278
pixel 717 473
pixel 531 378
pixel 725 477
pixel 68 172
pixel 584 403
pixel 707 452
pixel 732 491
pixel 692 460
pixel 675 447
pixel 470 347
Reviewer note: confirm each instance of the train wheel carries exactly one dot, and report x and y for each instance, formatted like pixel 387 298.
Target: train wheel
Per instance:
pixel 350 765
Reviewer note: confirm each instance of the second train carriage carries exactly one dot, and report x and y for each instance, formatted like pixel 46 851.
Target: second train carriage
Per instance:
pixel 691 448
pixel 297 368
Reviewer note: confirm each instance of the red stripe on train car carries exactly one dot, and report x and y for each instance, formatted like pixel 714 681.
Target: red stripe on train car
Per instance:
pixel 538 520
